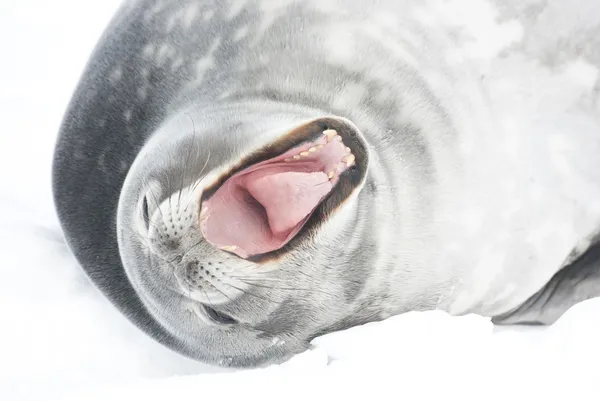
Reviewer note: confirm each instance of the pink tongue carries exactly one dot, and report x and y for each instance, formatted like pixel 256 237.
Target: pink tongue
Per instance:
pixel 260 211
pixel 288 197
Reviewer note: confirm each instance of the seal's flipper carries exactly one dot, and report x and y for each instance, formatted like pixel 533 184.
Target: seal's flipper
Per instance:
pixel 577 282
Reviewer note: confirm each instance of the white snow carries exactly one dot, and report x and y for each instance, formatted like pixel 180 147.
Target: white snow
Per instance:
pixel 59 339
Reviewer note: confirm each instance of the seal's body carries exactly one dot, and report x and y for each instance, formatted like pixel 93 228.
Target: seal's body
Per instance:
pixel 238 177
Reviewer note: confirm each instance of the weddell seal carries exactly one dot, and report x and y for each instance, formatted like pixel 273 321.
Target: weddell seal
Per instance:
pixel 241 176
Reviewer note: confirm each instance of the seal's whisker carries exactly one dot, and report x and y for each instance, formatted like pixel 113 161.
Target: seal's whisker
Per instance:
pixel 254 284
pixel 249 293
pixel 207 297
pixel 151 192
pixel 296 271
pixel 187 163
pixel 172 265
pixel 191 248
pixel 146 242
pixel 139 235
pixel 220 292
pixel 285 288
pixel 175 289
pixel 148 220
pixel 169 191
pixel 162 258
pixel 191 191
pixel 252 272
pixel 153 224
pixel 255 278
pixel 198 148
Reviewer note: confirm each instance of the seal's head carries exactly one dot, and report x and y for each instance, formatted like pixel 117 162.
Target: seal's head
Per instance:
pixel 234 232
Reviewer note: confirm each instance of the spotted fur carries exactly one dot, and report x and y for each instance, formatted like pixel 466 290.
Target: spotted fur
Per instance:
pixel 479 131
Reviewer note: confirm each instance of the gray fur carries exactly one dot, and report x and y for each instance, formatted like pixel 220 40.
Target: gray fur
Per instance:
pixel 577 282
pixel 177 92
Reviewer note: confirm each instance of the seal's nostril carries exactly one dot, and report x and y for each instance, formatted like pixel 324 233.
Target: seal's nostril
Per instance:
pixel 171 244
pixel 145 213
pixel 191 268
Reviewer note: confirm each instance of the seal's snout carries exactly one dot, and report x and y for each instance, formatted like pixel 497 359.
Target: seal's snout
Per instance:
pixel 262 206
pixel 199 275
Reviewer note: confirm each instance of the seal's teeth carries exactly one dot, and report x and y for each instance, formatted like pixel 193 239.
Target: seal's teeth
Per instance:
pixel 330 175
pixel 348 159
pixel 348 150
pixel 313 149
pixel 229 248
pixel 338 138
pixel 329 134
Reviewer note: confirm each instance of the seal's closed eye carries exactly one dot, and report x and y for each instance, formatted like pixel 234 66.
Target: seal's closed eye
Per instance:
pixel 218 317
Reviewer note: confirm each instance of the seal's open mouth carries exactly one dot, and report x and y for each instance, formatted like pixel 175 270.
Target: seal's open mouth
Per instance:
pixel 260 208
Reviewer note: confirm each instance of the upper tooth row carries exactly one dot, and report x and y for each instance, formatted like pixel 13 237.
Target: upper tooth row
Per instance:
pixel 304 153
pixel 329 135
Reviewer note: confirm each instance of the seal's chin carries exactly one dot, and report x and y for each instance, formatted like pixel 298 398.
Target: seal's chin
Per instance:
pixel 264 205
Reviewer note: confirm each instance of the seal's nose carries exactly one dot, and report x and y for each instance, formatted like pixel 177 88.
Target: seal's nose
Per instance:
pixel 199 276
pixel 193 278
pixel 170 224
pixel 192 274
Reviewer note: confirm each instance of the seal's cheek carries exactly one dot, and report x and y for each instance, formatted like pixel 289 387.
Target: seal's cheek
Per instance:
pixel 262 207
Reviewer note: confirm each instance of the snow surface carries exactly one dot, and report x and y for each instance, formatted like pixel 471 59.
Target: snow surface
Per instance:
pixel 60 339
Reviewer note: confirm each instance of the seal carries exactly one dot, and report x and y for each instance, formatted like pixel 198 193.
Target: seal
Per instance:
pixel 240 177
